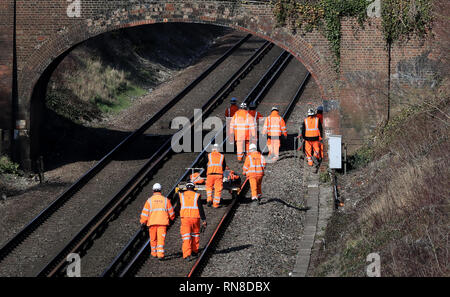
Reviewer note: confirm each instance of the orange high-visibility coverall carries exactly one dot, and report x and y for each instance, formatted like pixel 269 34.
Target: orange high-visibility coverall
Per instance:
pixel 320 116
pixel 230 111
pixel 274 126
pixel 242 128
pixel 214 177
pixel 254 169
pixel 191 211
pixel 311 132
pixel 156 214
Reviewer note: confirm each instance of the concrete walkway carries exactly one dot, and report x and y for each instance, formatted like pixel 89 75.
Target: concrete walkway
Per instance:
pixel 319 203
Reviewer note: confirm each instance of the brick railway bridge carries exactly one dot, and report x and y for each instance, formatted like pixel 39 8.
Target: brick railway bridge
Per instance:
pixel 36 35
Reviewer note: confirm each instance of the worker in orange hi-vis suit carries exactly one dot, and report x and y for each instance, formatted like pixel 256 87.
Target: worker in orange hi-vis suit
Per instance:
pixel 156 214
pixel 320 116
pixel 274 127
pixel 242 130
pixel 311 132
pixel 191 212
pixel 230 111
pixel 214 176
pixel 254 170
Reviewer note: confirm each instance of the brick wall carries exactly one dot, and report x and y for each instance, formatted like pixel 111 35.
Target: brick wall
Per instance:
pixel 45 31
pixel 6 61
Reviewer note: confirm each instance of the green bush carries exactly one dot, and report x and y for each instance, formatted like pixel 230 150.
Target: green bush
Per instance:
pixel 362 157
pixel 7 166
pixel 324 177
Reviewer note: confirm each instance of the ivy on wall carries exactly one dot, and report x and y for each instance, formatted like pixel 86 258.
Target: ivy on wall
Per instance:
pixel 403 18
pixel 400 18
pixel 324 15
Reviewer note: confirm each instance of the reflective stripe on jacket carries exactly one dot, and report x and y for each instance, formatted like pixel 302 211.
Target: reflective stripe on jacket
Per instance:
pixel 242 125
pixel 157 211
pixel 254 164
pixel 274 125
pixel 312 127
pixel 189 204
pixel 215 163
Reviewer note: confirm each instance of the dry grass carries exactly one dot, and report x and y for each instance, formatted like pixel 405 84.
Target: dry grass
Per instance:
pixel 400 199
pixel 97 82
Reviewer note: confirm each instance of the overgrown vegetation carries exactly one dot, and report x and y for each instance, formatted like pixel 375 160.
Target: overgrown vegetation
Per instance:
pixel 398 196
pixel 7 166
pixel 403 18
pixel 92 89
pixel 400 18
pixel 324 15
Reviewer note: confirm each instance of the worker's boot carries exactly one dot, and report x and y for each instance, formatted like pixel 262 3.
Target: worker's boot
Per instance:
pixel 315 161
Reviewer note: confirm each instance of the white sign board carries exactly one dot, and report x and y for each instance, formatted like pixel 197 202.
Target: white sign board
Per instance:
pixel 335 151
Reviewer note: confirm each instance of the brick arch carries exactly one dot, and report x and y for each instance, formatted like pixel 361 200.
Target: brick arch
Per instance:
pixel 308 49
pixel 36 64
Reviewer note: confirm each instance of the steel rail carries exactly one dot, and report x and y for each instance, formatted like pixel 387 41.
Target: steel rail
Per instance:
pixel 81 240
pixel 202 259
pixel 75 187
pixel 126 262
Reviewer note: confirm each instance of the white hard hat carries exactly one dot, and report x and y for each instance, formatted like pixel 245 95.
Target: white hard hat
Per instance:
pixel 190 185
pixel 252 147
pixel 311 112
pixel 274 108
pixel 215 147
pixel 243 105
pixel 157 187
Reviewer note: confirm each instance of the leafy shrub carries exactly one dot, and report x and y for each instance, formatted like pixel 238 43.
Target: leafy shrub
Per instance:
pixel 7 166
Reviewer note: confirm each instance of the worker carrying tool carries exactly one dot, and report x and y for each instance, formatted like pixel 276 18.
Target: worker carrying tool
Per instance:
pixel 242 130
pixel 156 214
pixel 320 116
pixel 230 111
pixel 311 133
pixel 214 176
pixel 191 212
pixel 274 127
pixel 254 170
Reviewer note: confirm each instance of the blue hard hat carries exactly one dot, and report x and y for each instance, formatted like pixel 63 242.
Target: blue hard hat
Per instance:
pixel 233 100
pixel 320 108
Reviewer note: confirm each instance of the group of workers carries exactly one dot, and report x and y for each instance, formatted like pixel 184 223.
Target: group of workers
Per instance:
pixel 158 210
pixel 244 126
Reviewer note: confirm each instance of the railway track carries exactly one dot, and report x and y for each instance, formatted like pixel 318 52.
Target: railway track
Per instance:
pixel 134 256
pixel 90 232
pixel 226 218
pixel 23 238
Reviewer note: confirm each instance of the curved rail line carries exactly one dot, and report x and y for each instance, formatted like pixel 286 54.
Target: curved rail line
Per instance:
pixel 82 241
pixel 127 262
pixel 8 247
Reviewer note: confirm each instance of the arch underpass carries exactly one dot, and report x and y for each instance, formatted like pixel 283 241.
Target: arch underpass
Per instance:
pixel 44 31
